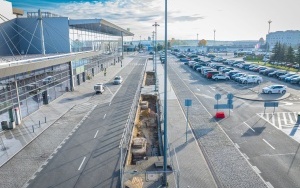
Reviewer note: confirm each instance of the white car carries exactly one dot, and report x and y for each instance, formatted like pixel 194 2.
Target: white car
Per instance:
pixel 274 89
pixel 251 79
pixel 118 80
pixel 99 88
pixel 220 77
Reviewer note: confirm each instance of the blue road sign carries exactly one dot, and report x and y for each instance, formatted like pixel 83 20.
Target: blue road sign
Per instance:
pixel 229 101
pixel 223 106
pixel 217 96
pixel 230 96
pixel 188 102
pixel 271 104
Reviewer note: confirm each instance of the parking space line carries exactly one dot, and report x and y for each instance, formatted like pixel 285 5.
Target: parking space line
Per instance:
pixel 104 116
pixel 268 143
pixel 249 126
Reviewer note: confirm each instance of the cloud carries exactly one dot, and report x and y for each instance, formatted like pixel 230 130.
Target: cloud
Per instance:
pixel 138 15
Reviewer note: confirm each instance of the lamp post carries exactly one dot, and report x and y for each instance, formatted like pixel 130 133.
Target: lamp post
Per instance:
pixel 268 46
pixel 155 25
pixel 153 32
pixel 214 39
pixel 165 99
pixel 197 42
pixel 140 43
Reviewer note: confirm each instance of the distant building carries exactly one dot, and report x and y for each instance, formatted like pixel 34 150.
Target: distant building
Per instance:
pixel 290 38
pixel 8 12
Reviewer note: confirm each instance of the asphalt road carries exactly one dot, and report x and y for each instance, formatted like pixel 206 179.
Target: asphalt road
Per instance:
pixel 272 154
pixel 90 157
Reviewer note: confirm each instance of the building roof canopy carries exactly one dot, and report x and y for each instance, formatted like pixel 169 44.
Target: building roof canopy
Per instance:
pixel 99 25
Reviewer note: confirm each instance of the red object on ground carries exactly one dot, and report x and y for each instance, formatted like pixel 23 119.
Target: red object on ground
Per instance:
pixel 220 115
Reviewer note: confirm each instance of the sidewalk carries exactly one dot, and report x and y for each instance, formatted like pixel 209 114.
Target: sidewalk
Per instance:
pixel 13 141
pixel 186 156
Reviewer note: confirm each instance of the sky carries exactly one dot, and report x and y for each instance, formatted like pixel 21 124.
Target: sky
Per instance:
pixel 231 19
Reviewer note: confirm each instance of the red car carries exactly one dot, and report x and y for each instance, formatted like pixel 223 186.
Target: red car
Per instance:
pixel 211 73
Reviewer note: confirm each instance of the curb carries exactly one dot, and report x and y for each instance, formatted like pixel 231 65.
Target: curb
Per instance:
pixel 241 97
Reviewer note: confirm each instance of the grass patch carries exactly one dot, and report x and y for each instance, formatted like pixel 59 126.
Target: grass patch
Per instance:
pixel 291 69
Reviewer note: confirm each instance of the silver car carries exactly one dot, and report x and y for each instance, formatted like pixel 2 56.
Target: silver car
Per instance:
pixel 118 80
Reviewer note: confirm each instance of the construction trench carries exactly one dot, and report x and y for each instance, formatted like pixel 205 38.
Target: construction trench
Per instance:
pixel 144 162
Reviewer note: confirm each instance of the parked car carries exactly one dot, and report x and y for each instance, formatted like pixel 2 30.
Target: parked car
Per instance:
pixel 232 72
pixel 191 63
pixel 288 79
pixel 238 76
pixel 251 79
pixel 274 89
pixel 295 80
pixel 118 80
pixel 282 77
pixel 210 74
pixel 183 59
pixel 220 77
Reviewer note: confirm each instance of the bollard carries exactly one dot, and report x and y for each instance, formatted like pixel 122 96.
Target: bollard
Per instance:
pixel 45 120
pixel 32 128
pixel 39 123
pixel 298 119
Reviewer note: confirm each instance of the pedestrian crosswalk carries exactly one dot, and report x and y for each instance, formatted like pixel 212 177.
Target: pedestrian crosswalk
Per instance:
pixel 280 120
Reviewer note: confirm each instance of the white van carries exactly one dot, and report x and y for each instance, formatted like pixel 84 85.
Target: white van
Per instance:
pixel 99 88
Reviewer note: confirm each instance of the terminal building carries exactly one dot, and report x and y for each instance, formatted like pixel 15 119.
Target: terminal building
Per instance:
pixel 289 38
pixel 44 55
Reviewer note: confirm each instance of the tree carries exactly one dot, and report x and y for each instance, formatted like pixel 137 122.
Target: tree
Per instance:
pixel 282 53
pixel 275 52
pixel 261 41
pixel 159 47
pixel 290 56
pixel 297 58
pixel 202 42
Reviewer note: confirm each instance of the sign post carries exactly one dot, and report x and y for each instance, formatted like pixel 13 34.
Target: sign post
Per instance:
pixel 188 103
pixel 270 104
pixel 229 101
pixel 217 97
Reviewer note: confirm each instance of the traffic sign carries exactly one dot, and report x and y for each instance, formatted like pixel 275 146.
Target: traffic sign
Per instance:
pixel 223 106
pixel 188 102
pixel 229 101
pixel 217 96
pixel 230 96
pixel 271 104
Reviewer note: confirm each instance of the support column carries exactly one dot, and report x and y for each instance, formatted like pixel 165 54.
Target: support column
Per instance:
pixel 71 76
pixel 41 32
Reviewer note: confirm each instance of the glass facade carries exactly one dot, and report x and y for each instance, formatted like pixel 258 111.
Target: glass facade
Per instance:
pixel 35 88
pixel 87 40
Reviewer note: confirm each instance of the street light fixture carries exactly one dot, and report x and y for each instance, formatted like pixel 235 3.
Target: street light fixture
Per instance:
pixel 155 25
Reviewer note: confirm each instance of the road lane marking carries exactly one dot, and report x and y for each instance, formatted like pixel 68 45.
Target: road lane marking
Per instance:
pixel 198 89
pixel 269 185
pixel 81 163
pixel 279 120
pixel 256 169
pixel 284 118
pixel 212 88
pixel 104 116
pixel 96 133
pixel 249 126
pixel 268 143
pixel 291 119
